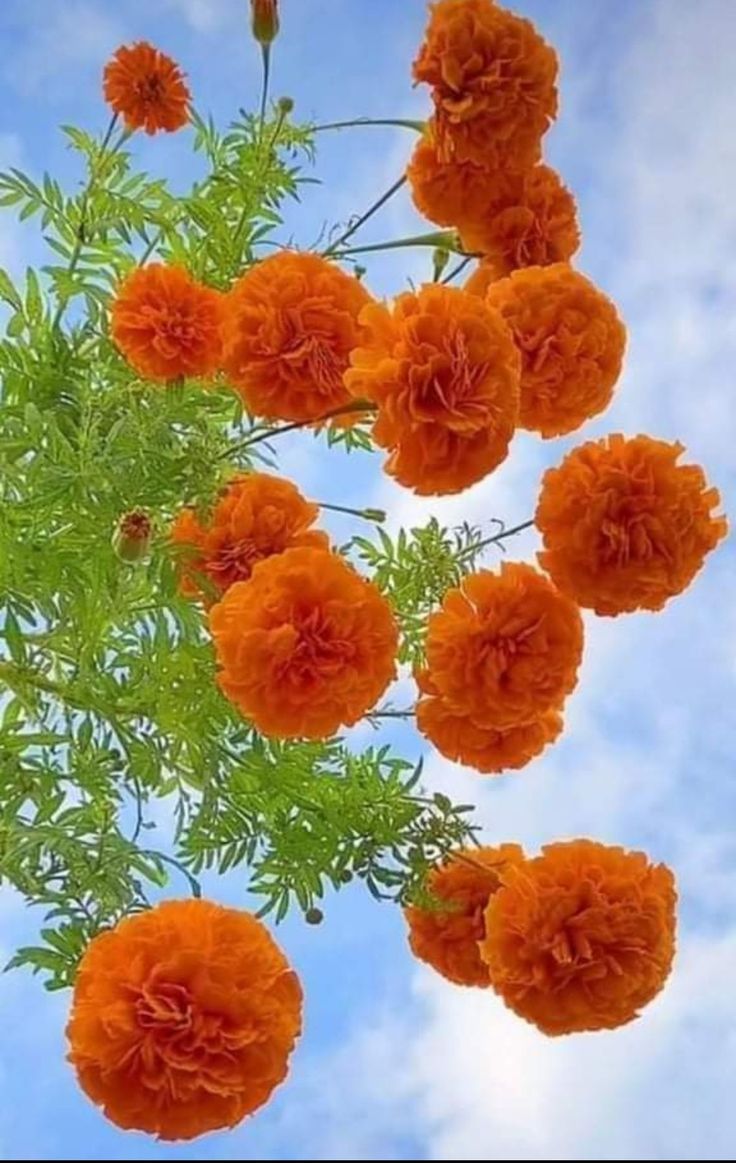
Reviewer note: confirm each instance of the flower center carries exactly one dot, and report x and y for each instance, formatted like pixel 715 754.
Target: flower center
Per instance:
pixel 150 89
pixel 164 1009
pixel 319 651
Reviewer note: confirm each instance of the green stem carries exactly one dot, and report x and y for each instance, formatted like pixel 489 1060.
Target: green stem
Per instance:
pixel 391 715
pixel 83 209
pixel 266 55
pixel 447 239
pixel 456 270
pixel 268 433
pixel 375 515
pixel 356 225
pixel 194 885
pixel 417 126
pixel 473 549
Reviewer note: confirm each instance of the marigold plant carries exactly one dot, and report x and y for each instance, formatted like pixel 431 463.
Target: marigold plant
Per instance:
pixel 493 82
pixel 571 342
pixel 625 527
pixel 504 648
pixel 183 1019
pixel 149 373
pixel 443 371
pixel 581 937
pixel 257 516
pixel 446 931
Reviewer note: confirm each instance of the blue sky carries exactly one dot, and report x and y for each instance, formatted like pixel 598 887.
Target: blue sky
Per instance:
pixel 395 1063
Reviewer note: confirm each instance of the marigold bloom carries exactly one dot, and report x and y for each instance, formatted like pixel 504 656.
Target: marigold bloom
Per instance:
pixel 256 516
pixel 444 371
pixel 183 1019
pixel 485 749
pixel 529 220
pixel 571 341
pixel 290 325
pixel 449 193
pixel 147 89
pixel 624 526
pixel 447 938
pixel 167 325
pixel 581 937
pixel 481 279
pixel 504 648
pixel 306 646
pixel 493 81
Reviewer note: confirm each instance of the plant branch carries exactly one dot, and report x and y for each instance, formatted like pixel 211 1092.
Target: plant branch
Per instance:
pixel 356 225
pixel 268 433
pixel 404 123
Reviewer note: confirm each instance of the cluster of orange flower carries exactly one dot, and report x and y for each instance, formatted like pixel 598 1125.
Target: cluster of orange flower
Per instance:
pixel 581 937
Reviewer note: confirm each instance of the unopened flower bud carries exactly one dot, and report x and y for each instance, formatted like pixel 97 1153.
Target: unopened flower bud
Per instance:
pixel 314 916
pixel 264 20
pixel 378 515
pixel 132 537
pixel 285 105
pixel 440 259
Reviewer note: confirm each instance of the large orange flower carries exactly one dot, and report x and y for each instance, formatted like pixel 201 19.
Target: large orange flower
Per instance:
pixel 306 646
pixel 183 1019
pixel 624 526
pixel 485 749
pixel 444 371
pixel 505 647
pixel 571 341
pixel 447 938
pixel 493 82
pixel 290 326
pixel 528 220
pixel 257 515
pixel 147 89
pixel 581 937
pixel 167 325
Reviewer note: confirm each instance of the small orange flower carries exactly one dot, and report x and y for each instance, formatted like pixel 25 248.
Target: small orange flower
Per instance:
pixel 571 342
pixel 447 938
pixel 581 937
pixel 529 220
pixel 183 1019
pixel 493 82
pixel 306 646
pixel 167 325
pixel 485 749
pixel 257 516
pixel 624 526
pixel 147 89
pixel 291 323
pixel 444 371
pixel 504 648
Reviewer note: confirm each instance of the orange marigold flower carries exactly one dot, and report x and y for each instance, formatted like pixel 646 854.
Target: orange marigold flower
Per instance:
pixel 571 341
pixel 485 749
pixel 306 646
pixel 504 648
pixel 291 323
pixel 448 193
pixel 147 89
pixel 444 371
pixel 581 937
pixel 167 325
pixel 183 1019
pixel 447 938
pixel 493 83
pixel 479 280
pixel 624 526
pixel 529 220
pixel 256 516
